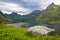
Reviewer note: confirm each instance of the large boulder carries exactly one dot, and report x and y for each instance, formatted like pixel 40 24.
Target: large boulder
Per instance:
pixel 43 30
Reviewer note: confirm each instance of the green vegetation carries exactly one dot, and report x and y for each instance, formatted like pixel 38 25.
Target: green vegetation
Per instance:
pixel 23 26
pixel 24 18
pixel 50 15
pixel 13 33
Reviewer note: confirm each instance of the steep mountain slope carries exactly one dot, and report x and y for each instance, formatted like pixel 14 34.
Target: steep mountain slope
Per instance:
pixel 50 15
pixel 32 16
pixel 4 18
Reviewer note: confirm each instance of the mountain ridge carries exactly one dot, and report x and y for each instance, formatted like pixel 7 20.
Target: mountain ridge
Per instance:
pixel 4 18
pixel 24 18
pixel 50 15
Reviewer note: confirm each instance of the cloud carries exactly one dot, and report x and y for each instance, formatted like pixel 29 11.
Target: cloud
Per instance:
pixel 57 2
pixel 10 7
pixel 25 6
pixel 42 4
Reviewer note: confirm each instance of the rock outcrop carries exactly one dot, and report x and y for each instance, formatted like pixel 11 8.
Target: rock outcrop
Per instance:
pixel 43 30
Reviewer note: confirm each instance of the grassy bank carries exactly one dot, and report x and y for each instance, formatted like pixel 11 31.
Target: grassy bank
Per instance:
pixel 13 33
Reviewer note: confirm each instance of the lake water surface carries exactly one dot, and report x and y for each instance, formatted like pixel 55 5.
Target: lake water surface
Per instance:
pixel 53 26
pixel 22 23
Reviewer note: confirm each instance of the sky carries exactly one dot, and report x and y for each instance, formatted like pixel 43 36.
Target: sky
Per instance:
pixel 24 7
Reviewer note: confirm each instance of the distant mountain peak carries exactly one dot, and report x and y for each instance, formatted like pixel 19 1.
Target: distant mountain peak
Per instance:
pixel 51 15
pixel 52 4
pixel 14 13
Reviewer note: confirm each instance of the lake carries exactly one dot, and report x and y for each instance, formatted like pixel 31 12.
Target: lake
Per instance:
pixel 22 23
pixel 53 26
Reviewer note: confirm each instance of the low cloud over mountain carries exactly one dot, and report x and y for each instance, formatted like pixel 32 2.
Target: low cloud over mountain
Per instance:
pixel 24 6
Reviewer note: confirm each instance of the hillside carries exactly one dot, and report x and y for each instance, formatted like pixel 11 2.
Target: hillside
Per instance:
pixel 24 18
pixel 50 15
pixel 33 15
pixel 4 18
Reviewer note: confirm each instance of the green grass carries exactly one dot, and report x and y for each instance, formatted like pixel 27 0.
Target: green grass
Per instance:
pixel 14 33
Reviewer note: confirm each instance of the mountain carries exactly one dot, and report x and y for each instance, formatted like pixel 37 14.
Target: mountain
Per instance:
pixel 33 15
pixel 13 15
pixel 4 18
pixel 50 15
pixel 24 18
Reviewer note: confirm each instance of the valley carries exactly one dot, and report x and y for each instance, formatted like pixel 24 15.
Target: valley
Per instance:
pixel 15 26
